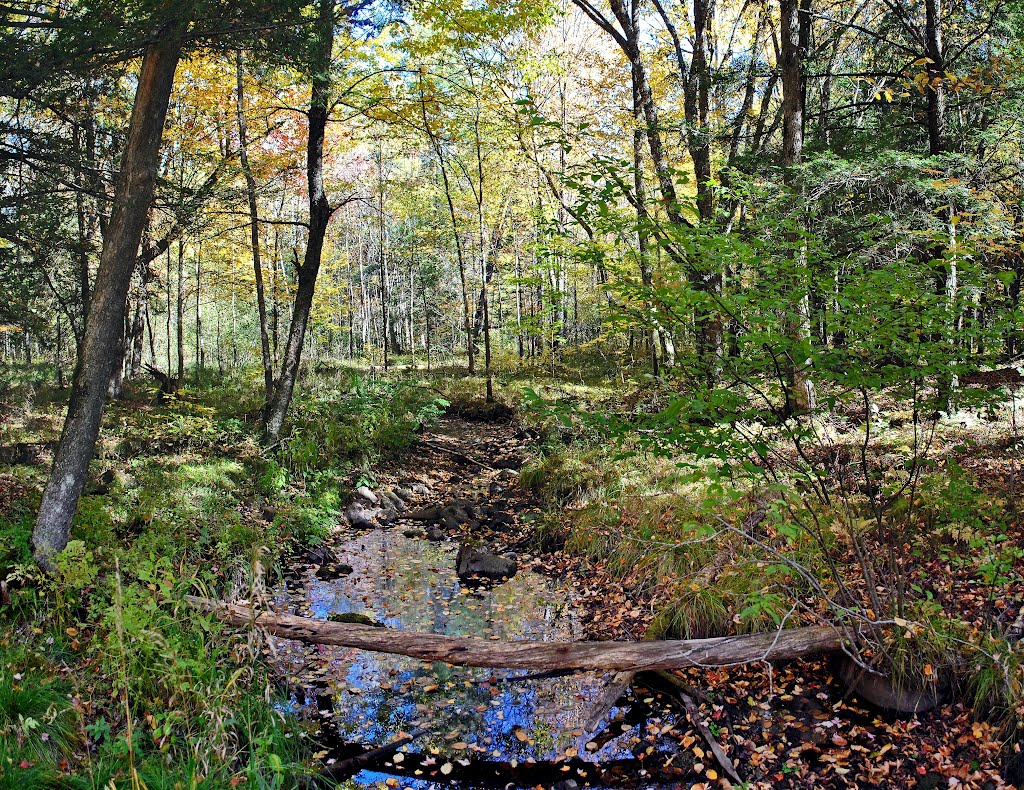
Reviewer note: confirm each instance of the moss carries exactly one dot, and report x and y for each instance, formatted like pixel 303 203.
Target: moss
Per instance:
pixel 354 618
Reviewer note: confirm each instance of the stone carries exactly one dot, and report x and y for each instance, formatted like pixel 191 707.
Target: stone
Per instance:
pixel 320 555
pixel 449 521
pixel 360 516
pixel 355 618
pixel 502 520
pixel 395 500
pixel 367 494
pixel 330 571
pixel 424 514
pixel 474 563
pixel 436 535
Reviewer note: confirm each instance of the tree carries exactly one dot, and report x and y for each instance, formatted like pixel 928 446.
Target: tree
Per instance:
pixel 795 23
pixel 104 328
pixel 254 232
pixel 320 211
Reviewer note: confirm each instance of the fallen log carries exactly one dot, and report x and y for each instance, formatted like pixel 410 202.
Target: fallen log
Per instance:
pixel 781 645
pixel 346 768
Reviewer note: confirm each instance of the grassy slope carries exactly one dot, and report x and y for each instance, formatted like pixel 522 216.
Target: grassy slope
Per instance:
pixel 104 672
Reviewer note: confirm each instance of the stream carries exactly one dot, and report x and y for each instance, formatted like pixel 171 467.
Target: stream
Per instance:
pixel 473 727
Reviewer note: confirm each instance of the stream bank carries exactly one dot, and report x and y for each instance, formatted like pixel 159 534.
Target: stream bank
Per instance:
pixel 490 728
pixel 789 725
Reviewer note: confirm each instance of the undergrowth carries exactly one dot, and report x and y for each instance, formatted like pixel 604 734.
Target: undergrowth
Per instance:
pixel 108 677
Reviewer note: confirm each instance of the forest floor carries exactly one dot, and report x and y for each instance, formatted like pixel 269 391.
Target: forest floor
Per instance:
pixel 183 500
pixel 786 725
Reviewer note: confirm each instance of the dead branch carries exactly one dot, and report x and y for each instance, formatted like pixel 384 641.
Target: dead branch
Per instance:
pixel 600 656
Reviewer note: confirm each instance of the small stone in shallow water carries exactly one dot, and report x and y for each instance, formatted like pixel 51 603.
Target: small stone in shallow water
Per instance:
pixel 474 563
pixel 353 618
pixel 331 571
pixel 321 555
pixel 360 516
pixel 391 497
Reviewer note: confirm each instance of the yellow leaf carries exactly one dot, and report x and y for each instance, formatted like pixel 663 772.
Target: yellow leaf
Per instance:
pixel 447 768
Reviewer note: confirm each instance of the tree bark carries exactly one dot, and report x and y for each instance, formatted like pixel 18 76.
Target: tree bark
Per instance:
pixel 104 329
pixel 319 216
pixel 180 327
pixel 524 654
pixel 460 257
pixel 643 222
pixel 936 77
pixel 799 388
pixel 254 233
pixel 705 279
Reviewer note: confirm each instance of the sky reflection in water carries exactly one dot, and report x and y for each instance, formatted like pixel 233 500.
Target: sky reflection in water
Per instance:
pixel 468 712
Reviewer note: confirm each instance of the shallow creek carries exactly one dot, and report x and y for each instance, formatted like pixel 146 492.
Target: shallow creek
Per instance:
pixel 477 727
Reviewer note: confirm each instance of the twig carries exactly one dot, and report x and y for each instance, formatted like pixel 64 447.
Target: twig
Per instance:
pixel 679 689
pixel 616 687
pixel 456 454
pixel 353 764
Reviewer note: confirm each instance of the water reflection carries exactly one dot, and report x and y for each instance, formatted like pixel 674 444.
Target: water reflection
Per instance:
pixel 467 713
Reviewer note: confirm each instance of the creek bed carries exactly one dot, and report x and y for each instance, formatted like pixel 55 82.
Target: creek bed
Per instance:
pixel 468 717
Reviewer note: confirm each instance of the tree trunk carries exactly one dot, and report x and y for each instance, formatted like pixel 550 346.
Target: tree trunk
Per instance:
pixel 254 233
pixel 180 328
pixel 640 192
pixel 138 328
pixel 200 348
pixel 133 195
pixel 466 315
pixel 525 654
pixel 798 385
pixel 319 216
pixel 705 278
pixel 936 77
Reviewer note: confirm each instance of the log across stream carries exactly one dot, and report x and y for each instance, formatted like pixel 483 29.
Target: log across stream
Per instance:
pixel 483 722
pixel 446 666
pixel 526 654
pixel 456 667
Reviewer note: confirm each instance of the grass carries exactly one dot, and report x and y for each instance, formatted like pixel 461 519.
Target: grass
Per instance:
pixel 176 506
pixel 655 517
pixel 166 697
pixel 37 720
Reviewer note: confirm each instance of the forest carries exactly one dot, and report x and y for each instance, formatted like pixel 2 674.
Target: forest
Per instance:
pixel 511 394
